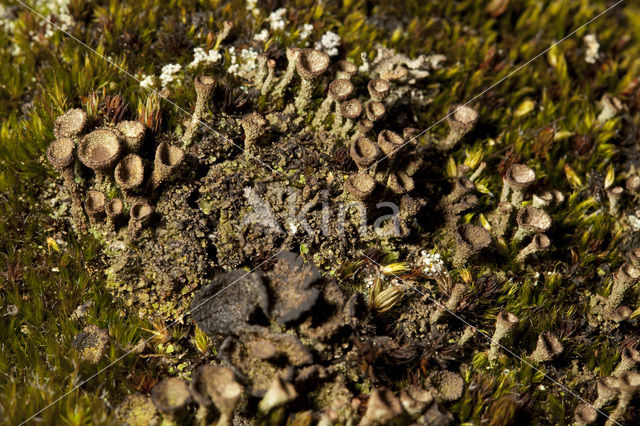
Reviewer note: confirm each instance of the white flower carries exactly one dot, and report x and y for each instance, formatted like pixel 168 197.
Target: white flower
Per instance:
pixel 168 74
pixel 148 81
pixel 591 54
pixel 262 35
pixel 329 43
pixel 276 19
pixel 252 6
pixel 233 69
pixel 431 264
pixel 305 32
pixel 201 56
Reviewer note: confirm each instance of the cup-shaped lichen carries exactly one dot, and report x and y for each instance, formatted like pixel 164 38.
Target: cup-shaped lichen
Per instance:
pixel 339 91
pixel 204 87
pixel 390 143
pixel 470 240
pixel 292 58
pixel 375 111
pixel 311 65
pixel 216 384
pixel 400 183
pixel 129 172
pixel 608 389
pixel 278 394
pixel 61 153
pixel 364 152
pixel 99 150
pixel 170 396
pixel 629 358
pixel 547 348
pixel 516 180
pixel 531 220
pixel 623 279
pixel 254 126
pixel 133 135
pixel 345 70
pixel 351 110
pixel 139 214
pixel 114 209
pixel 629 385
pixel 461 120
pixel 585 414
pixel 539 242
pixel 360 185
pixel 70 124
pixel 94 205
pixel 378 89
pixel 505 325
pixel 167 160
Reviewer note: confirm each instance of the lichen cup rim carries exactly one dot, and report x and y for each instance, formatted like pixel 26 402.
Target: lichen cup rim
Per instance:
pixel 61 152
pixel 129 172
pixel 102 142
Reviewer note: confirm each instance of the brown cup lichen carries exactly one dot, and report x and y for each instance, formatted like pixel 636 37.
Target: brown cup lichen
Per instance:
pixel 505 325
pixel 400 183
pixel 378 89
pixel 364 152
pixel 623 279
pixel 167 160
pixel 339 91
pixel 94 205
pixel 351 110
pixel 70 124
pixel 216 384
pixel 470 240
pixel 133 135
pixel 346 70
pixel 360 186
pixel 531 220
pixel 99 150
pixel 292 58
pixel 204 87
pixel 129 172
pixel 375 111
pixel 461 120
pixel 539 242
pixel 254 126
pixel 170 396
pixel 390 143
pixel 516 180
pixel 311 65
pixel 547 348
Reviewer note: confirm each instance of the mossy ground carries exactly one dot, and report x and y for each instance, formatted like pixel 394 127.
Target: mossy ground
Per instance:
pixel 559 91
